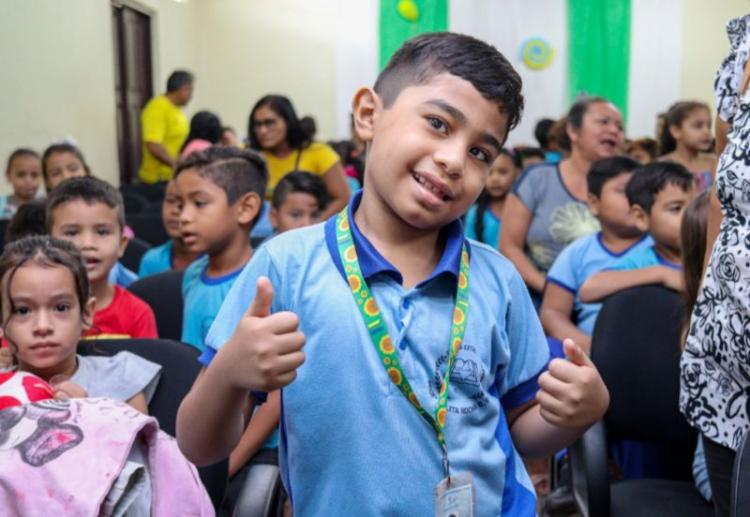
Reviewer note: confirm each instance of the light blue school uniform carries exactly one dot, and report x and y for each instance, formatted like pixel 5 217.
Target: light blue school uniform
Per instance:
pixel 351 444
pixel 579 261
pixel 491 231
pixel 120 275
pixel 156 260
pixel 202 298
pixel 643 257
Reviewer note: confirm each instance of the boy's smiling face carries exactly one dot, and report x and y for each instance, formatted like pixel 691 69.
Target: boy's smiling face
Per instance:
pixel 430 152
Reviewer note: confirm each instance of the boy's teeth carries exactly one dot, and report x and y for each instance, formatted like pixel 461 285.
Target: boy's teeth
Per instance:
pixel 428 186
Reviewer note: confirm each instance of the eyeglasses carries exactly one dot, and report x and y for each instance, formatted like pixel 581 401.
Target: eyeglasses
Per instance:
pixel 268 123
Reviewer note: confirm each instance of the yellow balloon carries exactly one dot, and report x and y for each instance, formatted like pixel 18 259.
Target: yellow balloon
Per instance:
pixel 408 10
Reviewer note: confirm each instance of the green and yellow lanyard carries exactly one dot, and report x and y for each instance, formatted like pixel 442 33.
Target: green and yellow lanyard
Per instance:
pixel 378 331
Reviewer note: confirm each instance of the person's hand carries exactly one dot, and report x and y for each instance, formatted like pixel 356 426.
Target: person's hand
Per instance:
pixel 67 390
pixel 265 350
pixel 673 279
pixel 571 392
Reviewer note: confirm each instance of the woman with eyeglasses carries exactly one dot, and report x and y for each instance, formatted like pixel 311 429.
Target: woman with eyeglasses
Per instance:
pixel 275 131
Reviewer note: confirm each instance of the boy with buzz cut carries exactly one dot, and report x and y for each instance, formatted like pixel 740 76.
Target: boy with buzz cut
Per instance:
pixel 90 213
pixel 589 255
pixel 658 194
pixel 220 194
pixel 424 356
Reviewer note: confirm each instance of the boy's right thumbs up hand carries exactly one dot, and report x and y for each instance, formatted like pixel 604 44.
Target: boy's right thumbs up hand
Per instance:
pixel 265 350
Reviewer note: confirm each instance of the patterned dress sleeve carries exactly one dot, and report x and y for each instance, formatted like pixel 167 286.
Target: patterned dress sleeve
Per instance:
pixel 731 70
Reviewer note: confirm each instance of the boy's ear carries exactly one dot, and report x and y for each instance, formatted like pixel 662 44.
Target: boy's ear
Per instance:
pixel 641 217
pixel 89 308
pixel 123 245
pixel 247 207
pixel 365 108
pixel 273 215
pixel 593 202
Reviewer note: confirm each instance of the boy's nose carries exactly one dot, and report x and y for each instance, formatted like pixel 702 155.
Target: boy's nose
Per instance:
pixel 451 158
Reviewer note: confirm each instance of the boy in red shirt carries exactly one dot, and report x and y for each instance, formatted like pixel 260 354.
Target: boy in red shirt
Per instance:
pixel 90 213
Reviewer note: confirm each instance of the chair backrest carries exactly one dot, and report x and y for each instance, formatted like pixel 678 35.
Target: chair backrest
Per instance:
pixel 163 292
pixel 134 202
pixel 636 347
pixel 180 367
pixel 134 251
pixel 148 226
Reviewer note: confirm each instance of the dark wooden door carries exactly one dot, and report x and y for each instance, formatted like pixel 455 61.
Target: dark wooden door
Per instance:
pixel 131 32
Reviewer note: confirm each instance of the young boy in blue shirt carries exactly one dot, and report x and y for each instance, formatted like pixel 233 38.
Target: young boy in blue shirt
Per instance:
pixel 424 355
pixel 589 255
pixel 221 191
pixel 658 195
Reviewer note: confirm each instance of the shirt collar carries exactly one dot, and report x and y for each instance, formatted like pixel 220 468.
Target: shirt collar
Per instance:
pixel 373 263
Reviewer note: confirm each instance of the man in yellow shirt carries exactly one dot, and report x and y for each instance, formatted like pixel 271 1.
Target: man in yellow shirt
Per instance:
pixel 164 128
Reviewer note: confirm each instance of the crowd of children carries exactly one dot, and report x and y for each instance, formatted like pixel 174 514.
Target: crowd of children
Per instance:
pixel 378 341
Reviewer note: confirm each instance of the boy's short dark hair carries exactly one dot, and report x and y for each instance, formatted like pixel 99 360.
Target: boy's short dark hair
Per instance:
pixel 235 171
pixel 178 79
pixel 88 189
pixel 28 220
pixel 300 181
pixel 541 131
pixel 651 179
pixel 427 55
pixel 609 168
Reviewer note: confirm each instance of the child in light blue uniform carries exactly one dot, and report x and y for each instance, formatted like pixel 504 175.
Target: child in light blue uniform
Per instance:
pixel 352 442
pixel 483 219
pixel 563 314
pixel 221 192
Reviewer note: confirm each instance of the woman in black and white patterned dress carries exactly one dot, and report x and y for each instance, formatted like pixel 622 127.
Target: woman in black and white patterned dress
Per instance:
pixel 715 380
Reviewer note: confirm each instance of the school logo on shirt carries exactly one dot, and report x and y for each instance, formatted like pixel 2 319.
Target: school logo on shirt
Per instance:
pixel 465 393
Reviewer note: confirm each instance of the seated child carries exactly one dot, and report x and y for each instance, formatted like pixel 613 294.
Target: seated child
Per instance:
pixel 483 218
pixel 642 150
pixel 563 314
pixel 29 219
pixel 693 242
pixel 62 161
pixel 658 194
pixel 401 387
pixel 297 202
pixel 46 305
pixel 173 254
pixel 89 212
pixel 221 192
pixel 24 172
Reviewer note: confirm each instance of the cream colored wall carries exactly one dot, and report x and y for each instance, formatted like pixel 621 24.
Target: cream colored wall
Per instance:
pixel 704 44
pixel 58 79
pixel 249 48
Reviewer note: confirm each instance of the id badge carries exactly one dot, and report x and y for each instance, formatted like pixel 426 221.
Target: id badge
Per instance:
pixel 454 496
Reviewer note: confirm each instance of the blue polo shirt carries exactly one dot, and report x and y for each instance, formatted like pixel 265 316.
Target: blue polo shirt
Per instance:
pixel 351 444
pixel 580 260
pixel 641 258
pixel 156 260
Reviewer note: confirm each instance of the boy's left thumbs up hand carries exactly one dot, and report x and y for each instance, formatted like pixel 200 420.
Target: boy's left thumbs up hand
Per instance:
pixel 571 393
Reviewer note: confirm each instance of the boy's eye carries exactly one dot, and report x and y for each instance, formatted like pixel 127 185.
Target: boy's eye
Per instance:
pixel 437 124
pixel 103 231
pixel 480 154
pixel 70 233
pixel 62 307
pixel 21 311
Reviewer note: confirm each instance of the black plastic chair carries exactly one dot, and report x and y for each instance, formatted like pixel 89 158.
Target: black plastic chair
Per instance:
pixel 148 226
pixel 134 252
pixel 636 347
pixel 163 293
pixel 180 367
pixel 134 202
pixel 152 192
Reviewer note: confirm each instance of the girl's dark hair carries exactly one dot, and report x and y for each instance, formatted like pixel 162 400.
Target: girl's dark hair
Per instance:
pixel 206 126
pixel 29 219
pixel 693 244
pixel 22 151
pixel 674 117
pixel 282 106
pixel 45 251
pixel 484 198
pixel 647 145
pixel 63 147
